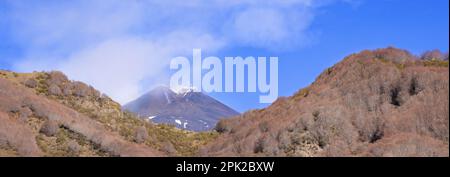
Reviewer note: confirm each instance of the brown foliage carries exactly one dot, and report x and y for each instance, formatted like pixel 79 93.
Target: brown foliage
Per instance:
pixel 14 97
pixel 168 148
pixel 408 145
pixel 18 135
pixel 222 126
pixel 80 89
pixel 54 90
pixel 434 54
pixel 141 135
pixel 32 83
pixel 24 113
pixel 56 78
pixel 393 54
pixel 49 128
pixel 361 102
pixel 73 147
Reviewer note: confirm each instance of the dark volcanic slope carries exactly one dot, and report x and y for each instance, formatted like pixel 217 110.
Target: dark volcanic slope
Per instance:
pixel 187 110
pixel 375 103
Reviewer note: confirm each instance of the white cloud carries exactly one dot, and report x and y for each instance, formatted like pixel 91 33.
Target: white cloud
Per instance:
pixel 260 26
pixel 119 66
pixel 117 45
pixel 116 66
pixel 271 28
pixel 72 23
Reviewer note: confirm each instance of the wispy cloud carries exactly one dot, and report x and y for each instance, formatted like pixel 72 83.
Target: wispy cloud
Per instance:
pixel 116 45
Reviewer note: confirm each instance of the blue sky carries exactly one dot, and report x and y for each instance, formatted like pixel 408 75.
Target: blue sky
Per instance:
pixel 123 48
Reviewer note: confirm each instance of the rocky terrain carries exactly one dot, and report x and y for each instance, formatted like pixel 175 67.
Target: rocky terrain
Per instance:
pixel 185 109
pixel 385 102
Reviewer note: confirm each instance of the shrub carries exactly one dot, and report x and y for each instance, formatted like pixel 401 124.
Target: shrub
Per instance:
pixel 264 126
pixel 67 89
pixel 49 128
pixel 24 113
pixel 141 135
pixel 39 109
pixel 315 115
pixel 168 148
pixel 56 78
pixel 271 147
pixel 431 115
pixel 73 146
pixel 370 128
pixel 337 148
pixel 409 145
pixel 393 54
pixel 31 83
pixel 54 90
pixel 80 89
pixel 332 123
pixel 260 145
pixel 433 54
pixel 296 138
pixel 222 126
pixel 284 140
pixel 17 135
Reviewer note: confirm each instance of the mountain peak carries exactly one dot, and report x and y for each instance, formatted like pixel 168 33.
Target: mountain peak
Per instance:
pixel 162 89
pixel 185 108
pixel 183 91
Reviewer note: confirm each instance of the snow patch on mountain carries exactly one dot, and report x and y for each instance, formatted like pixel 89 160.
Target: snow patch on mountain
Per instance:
pixel 183 91
pixel 205 124
pixel 167 98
